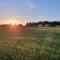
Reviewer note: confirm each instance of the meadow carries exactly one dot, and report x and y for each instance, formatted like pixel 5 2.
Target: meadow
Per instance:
pixel 30 44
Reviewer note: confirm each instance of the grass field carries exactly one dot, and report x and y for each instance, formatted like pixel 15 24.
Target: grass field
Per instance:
pixel 30 44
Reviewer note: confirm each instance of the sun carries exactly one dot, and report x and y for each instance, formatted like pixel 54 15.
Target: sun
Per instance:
pixel 12 22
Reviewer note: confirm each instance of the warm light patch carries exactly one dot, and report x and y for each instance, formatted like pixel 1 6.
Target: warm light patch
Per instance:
pixel 12 22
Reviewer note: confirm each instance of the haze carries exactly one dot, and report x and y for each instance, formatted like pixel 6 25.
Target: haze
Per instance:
pixel 29 10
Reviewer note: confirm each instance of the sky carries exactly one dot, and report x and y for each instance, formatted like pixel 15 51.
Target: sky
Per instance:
pixel 23 11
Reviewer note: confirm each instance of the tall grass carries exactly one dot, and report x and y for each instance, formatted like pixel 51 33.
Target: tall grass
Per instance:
pixel 30 44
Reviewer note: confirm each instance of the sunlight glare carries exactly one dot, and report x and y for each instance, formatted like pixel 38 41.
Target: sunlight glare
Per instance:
pixel 12 22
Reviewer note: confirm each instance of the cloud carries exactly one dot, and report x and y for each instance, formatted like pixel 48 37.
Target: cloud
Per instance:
pixel 30 4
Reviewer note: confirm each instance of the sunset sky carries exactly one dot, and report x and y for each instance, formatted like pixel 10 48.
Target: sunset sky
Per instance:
pixel 23 11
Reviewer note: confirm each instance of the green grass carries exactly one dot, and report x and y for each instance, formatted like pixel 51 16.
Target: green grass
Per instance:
pixel 30 44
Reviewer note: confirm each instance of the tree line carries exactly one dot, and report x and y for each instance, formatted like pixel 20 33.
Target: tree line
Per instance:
pixel 35 24
pixel 50 24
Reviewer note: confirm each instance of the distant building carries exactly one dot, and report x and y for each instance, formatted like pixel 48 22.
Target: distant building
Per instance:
pixel 40 25
pixel 45 25
pixel 57 25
